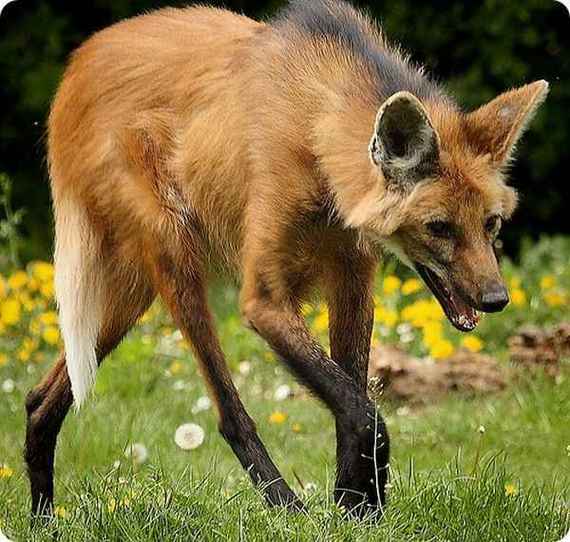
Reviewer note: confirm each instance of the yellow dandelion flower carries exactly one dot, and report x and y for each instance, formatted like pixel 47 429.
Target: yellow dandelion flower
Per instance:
pixel 511 490
pixel 268 356
pixel 23 355
pixel 421 312
pixel 35 326
pixel 146 317
pixel 441 349
pixel 321 322
pixel 435 312
pixel 6 472
pixel 39 357
pixel 391 284
pixel 518 297
pixel 277 417
pixel 411 286
pixel 515 283
pixel 43 271
pixel 296 428
pixel 3 359
pixel 554 299
pixel 29 344
pixel 547 282
pixel 26 301
pixel 60 512
pixel 176 367
pixel 51 335
pixel 33 285
pixel 472 343
pixel 48 318
pixel 388 317
pixel 46 289
pixel 10 311
pixel 432 333
pixel 18 280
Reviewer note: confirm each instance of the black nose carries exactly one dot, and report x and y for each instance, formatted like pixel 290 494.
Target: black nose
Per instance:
pixel 495 298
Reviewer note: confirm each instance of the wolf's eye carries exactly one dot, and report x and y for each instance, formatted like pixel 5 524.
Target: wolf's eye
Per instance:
pixel 493 225
pixel 440 228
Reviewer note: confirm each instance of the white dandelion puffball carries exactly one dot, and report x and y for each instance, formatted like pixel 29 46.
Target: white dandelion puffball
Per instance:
pixel 203 403
pixel 310 487
pixel 282 392
pixel 189 436
pixel 137 453
pixel 244 368
pixel 3 537
pixel 8 385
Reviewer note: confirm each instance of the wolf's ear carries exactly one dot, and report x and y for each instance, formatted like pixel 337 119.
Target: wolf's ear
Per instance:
pixel 405 145
pixel 496 127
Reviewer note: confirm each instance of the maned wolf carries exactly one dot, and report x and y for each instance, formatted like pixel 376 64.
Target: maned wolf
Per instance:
pixel 286 154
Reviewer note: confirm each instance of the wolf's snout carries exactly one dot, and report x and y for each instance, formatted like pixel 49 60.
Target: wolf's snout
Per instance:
pixel 494 297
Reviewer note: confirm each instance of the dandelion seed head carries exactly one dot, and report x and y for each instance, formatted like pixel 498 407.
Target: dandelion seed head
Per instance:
pixel 189 436
pixel 137 453
pixel 282 392
pixel 8 385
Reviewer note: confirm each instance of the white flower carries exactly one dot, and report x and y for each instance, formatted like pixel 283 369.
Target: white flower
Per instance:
pixel 203 403
pixel 189 436
pixel 481 429
pixel 137 453
pixel 244 367
pixel 8 385
pixel 179 385
pixel 282 392
pixel 404 329
pixel 4 538
pixel 310 487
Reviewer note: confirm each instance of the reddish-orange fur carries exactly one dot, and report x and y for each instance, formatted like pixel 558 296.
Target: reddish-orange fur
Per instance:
pixel 196 139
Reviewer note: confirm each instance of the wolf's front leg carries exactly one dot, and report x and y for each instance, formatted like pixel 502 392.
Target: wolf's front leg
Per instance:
pixel 363 440
pixel 349 288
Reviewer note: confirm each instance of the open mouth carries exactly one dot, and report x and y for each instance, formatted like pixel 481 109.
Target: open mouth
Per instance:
pixel 458 312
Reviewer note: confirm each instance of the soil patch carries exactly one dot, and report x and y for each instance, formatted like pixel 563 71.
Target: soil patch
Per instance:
pixel 400 376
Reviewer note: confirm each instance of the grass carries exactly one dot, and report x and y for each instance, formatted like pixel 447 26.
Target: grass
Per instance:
pixel 517 490
pixel 467 469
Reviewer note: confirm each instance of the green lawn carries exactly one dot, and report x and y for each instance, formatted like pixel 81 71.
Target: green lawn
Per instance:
pixel 495 468
pixel 518 490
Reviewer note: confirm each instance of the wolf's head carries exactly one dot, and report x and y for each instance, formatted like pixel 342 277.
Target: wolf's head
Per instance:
pixel 444 194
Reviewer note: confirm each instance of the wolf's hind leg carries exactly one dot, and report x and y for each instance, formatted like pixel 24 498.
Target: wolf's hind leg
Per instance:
pixel 48 403
pixel 183 290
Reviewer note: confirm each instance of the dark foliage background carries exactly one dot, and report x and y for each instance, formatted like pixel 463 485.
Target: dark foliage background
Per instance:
pixel 479 48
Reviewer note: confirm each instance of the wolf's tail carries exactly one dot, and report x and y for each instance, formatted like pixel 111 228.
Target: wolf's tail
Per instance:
pixel 79 293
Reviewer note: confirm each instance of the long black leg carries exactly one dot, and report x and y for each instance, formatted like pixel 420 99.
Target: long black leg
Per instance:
pixel 364 444
pixel 183 290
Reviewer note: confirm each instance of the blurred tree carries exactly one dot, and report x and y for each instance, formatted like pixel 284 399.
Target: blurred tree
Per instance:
pixel 478 48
